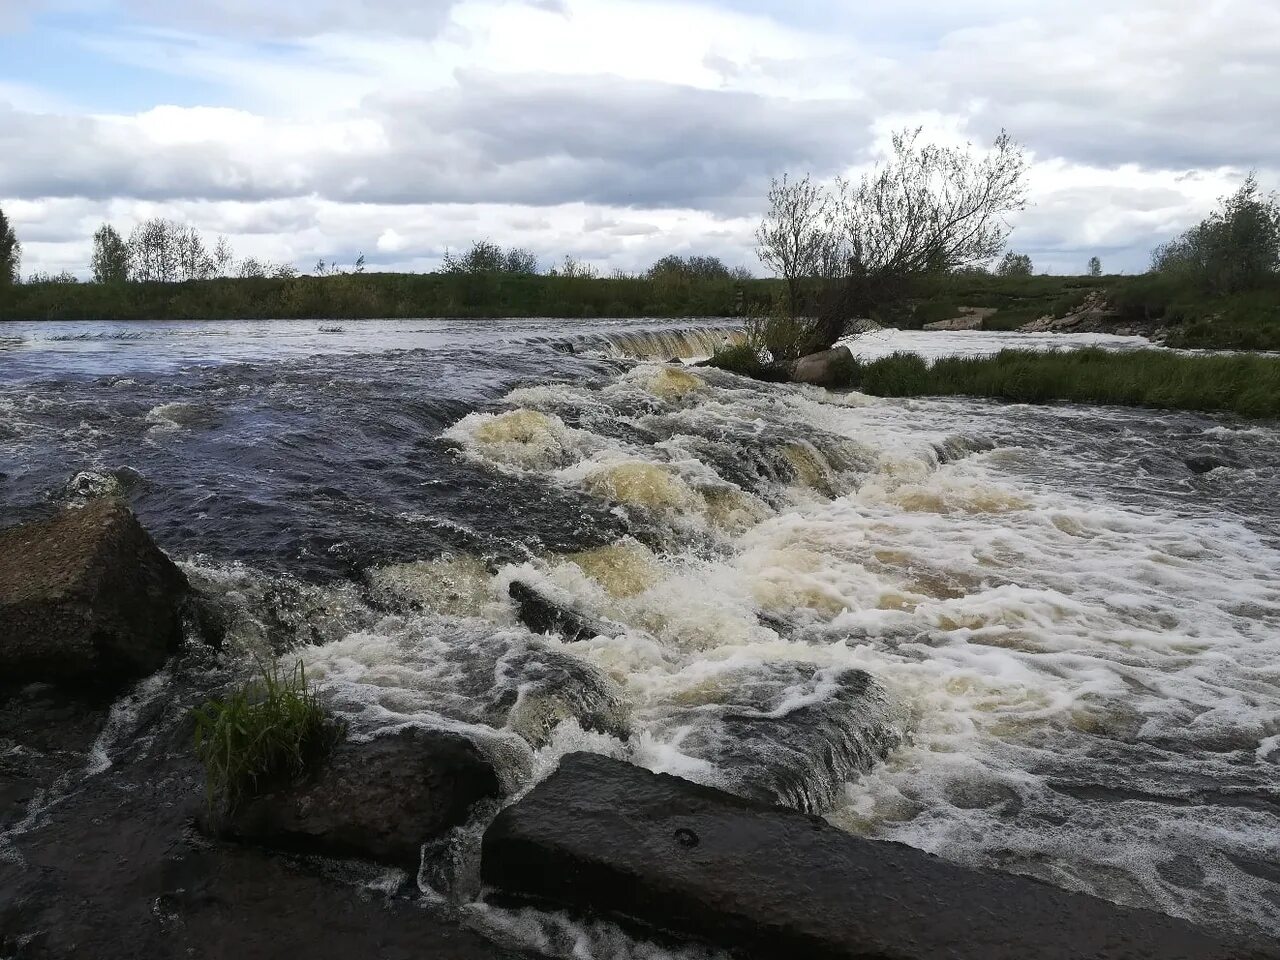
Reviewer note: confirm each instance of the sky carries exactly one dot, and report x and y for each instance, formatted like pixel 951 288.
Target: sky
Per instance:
pixel 613 131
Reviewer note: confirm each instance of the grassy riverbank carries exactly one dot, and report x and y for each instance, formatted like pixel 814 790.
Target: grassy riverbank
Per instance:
pixel 1245 385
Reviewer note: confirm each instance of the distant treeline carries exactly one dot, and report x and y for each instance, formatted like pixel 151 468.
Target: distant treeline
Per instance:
pixel 365 295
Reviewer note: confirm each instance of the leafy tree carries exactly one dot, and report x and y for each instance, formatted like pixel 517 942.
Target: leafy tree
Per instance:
pixel 1234 249
pixel 251 268
pixel 153 251
pixel 10 253
pixel 574 269
pixel 359 265
pixel 110 263
pixel 792 237
pixel 520 261
pixel 487 257
pixel 62 277
pixel 695 268
pixel 223 257
pixel 927 210
pixel 1095 267
pixel 1015 265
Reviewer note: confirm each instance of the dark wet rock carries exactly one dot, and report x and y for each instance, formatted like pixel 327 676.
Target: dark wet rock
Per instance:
pixel 790 733
pixel 1203 463
pixel 110 871
pixel 601 836
pixel 541 614
pixel 830 368
pixel 87 599
pixel 377 800
pixel 537 688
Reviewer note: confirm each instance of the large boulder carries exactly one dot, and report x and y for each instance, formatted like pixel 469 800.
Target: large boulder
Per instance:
pixel 830 368
pixel 87 599
pixel 600 836
pixel 378 799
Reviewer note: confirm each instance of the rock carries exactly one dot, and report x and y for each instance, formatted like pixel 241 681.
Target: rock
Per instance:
pixel 87 599
pixel 604 837
pixel 1203 463
pixel 536 689
pixel 967 322
pixel 830 368
pixel 789 733
pixel 541 614
pixel 378 800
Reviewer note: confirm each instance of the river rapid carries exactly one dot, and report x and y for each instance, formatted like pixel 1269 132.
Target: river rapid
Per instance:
pixel 1022 637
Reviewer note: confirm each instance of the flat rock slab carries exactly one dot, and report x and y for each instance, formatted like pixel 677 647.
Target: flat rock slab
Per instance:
pixel 87 599
pixel 605 837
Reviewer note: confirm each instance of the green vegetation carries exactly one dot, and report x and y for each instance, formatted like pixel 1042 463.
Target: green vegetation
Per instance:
pixel 10 254
pixel 1242 384
pixel 1244 320
pixel 363 295
pixel 1217 285
pixel 269 732
pixel 1016 299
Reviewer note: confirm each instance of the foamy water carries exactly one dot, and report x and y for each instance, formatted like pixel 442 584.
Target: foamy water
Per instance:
pixel 1028 638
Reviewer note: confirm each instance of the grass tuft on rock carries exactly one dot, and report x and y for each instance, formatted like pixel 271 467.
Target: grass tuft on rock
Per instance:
pixel 268 733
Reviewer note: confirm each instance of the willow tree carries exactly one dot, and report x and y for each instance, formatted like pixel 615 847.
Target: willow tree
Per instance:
pixel 927 209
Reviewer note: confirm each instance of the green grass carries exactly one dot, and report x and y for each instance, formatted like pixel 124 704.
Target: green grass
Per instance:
pixel 1242 384
pixel 743 359
pixel 267 733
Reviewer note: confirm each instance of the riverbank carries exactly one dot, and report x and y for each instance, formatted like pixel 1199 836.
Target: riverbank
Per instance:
pixel 1150 305
pixel 1248 386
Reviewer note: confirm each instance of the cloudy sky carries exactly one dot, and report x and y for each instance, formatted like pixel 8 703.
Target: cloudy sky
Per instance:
pixel 613 130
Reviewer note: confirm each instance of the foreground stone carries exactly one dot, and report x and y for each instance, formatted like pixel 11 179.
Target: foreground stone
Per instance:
pixel 111 871
pixel 377 800
pixel 87 599
pixel 602 836
pixel 830 368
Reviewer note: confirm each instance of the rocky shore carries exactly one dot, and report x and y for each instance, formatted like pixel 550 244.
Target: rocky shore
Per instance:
pixel 109 846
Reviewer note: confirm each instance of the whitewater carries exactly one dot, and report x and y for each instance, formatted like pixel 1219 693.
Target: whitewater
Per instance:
pixel 1029 638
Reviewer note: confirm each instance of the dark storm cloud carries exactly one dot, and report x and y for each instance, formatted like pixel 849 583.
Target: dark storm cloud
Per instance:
pixel 520 140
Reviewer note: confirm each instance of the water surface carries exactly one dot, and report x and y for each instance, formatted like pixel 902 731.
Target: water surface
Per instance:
pixel 1024 637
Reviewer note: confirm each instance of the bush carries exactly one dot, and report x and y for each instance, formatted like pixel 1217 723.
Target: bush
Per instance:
pixel 1238 383
pixel 932 311
pixel 744 360
pixel 269 732
pixel 1236 248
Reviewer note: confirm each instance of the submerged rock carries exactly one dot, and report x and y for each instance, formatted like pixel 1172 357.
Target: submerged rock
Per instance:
pixel 790 733
pixel 1203 463
pixel 830 368
pixel 378 800
pixel 87 599
pixel 604 837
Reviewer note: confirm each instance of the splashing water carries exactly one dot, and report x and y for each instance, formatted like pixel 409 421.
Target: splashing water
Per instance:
pixel 1028 638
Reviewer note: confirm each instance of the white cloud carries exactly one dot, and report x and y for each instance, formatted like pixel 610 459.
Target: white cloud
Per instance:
pixel 619 130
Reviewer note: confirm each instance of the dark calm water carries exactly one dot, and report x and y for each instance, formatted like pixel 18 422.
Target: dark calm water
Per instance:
pixel 1023 637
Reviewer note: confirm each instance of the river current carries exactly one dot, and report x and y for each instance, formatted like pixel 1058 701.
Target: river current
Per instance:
pixel 1023 637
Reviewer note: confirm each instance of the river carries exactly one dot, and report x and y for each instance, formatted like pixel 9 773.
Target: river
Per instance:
pixel 1022 637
